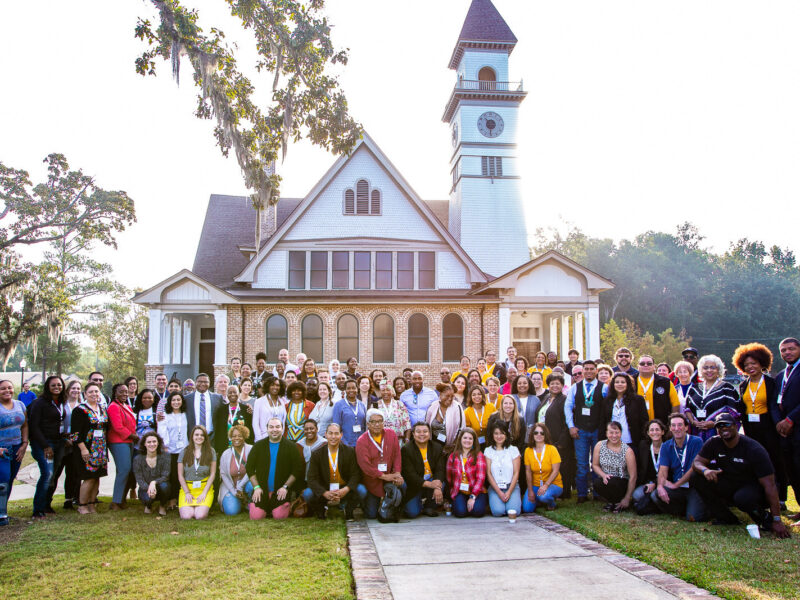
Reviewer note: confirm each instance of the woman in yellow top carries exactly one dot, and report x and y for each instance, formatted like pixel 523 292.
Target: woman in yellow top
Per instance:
pixel 464 366
pixel 478 413
pixel 493 395
pixel 542 470
pixel 540 366
pixel 757 393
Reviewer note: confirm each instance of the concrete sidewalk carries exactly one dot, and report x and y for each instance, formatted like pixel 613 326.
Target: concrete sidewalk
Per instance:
pixel 490 558
pixel 30 475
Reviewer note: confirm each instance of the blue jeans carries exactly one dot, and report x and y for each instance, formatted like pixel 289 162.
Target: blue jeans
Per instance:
pixel 9 466
pixel 548 498
pixel 642 503
pixel 350 500
pixel 231 505
pixel 46 486
pixel 369 503
pixel 584 446
pixel 683 502
pixel 413 507
pixel 123 458
pixel 500 508
pixel 460 506
pixel 162 495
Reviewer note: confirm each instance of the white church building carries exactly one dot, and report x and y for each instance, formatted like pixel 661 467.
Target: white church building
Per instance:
pixel 361 266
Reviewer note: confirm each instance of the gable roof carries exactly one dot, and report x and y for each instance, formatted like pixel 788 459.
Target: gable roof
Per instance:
pixel 476 275
pixel 484 27
pixel 154 295
pixel 509 280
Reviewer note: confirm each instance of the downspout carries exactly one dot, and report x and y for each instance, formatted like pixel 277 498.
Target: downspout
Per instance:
pixel 241 309
pixel 483 350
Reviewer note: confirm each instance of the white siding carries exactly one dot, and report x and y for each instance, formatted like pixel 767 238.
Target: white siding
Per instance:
pixel 470 111
pixel 450 272
pixel 186 291
pixel 324 216
pixel 475 59
pixel 273 272
pixel 548 280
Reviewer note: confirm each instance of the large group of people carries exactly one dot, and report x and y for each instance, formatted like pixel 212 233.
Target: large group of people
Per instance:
pixel 499 438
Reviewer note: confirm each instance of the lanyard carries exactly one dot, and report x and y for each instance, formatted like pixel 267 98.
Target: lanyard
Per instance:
pixel 682 455
pixel 232 415
pixel 785 378
pixel 239 460
pixel 374 443
pixel 539 460
pixel 464 468
pixel 480 417
pixel 334 462
pixel 588 399
pixel 646 388
pixel 706 390
pixel 653 456
pixel 753 394
pixel 355 410
pixel 386 411
pixel 441 416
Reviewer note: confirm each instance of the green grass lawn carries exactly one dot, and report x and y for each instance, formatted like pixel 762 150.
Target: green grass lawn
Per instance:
pixel 723 560
pixel 132 555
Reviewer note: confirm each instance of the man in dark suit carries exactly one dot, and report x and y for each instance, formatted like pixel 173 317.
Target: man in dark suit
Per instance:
pixel 786 411
pixel 333 476
pixel 201 406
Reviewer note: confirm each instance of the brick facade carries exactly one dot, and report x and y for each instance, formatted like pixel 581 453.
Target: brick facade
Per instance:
pixel 476 318
pixel 150 372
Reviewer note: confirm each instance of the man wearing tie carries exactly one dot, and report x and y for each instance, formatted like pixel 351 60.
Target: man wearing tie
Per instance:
pixel 201 406
pixel 786 412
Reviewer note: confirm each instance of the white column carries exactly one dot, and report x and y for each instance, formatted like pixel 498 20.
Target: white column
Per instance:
pixel 503 333
pixel 221 337
pixel 154 337
pixel 564 336
pixel 593 332
pixel 553 335
pixel 577 332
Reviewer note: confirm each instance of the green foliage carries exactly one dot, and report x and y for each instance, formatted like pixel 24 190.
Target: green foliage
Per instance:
pixel 63 352
pixel 120 337
pixel 293 43
pixel 665 347
pixel 69 210
pixel 670 282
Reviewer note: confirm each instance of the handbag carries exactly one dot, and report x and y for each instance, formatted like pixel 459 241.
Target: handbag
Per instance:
pixel 299 508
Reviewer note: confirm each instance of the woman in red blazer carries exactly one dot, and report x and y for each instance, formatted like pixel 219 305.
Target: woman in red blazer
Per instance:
pixel 121 438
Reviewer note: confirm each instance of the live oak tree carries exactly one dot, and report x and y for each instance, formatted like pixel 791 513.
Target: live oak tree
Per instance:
pixel 67 208
pixel 294 47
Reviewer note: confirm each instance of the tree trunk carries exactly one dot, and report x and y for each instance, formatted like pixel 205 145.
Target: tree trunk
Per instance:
pixel 44 363
pixel 58 355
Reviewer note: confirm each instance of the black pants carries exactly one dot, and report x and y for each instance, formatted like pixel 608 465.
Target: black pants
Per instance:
pixel 790 448
pixel 162 494
pixel 69 466
pixel 764 433
pixel 717 497
pixel 174 484
pixel 568 468
pixel 613 491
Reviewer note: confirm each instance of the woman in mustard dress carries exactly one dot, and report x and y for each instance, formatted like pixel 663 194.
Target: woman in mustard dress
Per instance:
pixel 197 467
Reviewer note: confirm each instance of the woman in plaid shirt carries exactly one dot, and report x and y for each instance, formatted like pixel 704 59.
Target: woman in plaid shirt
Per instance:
pixel 466 474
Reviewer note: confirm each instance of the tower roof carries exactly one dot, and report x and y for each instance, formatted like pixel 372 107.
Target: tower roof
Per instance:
pixel 484 27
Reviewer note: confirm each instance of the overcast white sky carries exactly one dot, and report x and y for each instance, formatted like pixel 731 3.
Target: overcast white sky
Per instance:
pixel 640 114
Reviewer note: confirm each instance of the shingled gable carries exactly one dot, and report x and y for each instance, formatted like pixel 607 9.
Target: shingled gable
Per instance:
pixel 476 275
pixel 483 27
pixel 594 282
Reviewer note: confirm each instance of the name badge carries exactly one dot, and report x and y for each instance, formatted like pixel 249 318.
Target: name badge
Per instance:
pixel 442 438
pixel 98 433
pixel 754 418
pixel 647 404
pixel 464 487
pixel 481 439
pixel 685 484
pixel 701 413
pixel 383 467
pixel 356 428
pixel 334 487
pixel 197 484
pixel 503 486
pixel 428 477
pixel 780 398
pixel 586 412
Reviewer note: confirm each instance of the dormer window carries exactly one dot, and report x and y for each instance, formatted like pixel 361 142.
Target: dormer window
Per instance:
pixel 360 201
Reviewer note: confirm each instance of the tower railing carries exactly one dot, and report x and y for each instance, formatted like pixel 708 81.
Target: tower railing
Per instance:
pixel 489 86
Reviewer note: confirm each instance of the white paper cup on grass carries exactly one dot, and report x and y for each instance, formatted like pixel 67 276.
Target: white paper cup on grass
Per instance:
pixel 753 531
pixel 512 516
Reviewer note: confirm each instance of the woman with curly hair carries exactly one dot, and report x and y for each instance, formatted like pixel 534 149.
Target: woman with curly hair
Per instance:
pixel 759 395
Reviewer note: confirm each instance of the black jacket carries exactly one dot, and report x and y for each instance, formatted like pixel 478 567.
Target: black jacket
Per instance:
pixel 44 422
pixel 413 468
pixel 290 462
pixel 557 424
pixel 244 417
pixel 635 414
pixel 662 405
pixel 772 386
pixel 319 471
pixel 646 472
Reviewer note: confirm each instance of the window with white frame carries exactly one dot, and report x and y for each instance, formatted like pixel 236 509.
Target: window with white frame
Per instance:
pixel 362 200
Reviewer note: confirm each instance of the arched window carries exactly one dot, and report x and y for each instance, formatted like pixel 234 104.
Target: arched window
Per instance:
pixel 277 336
pixel 349 202
pixel 418 342
pixel 452 338
pixel 362 197
pixel 487 74
pixel 311 337
pixel 383 339
pixel 347 337
pixel 375 205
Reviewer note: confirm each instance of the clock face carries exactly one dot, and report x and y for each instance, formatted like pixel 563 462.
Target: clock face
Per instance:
pixel 490 124
pixel 454 134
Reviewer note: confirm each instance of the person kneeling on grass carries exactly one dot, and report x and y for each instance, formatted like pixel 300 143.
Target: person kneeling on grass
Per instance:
pixel 197 466
pixel 151 467
pixel 424 471
pixel 333 476
pixel 542 470
pixel 614 466
pixel 276 463
pixel 235 488
pixel 378 455
pixel 732 469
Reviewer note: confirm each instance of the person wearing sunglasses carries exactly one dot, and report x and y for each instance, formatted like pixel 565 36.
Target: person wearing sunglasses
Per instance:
pixel 735 470
pixel 542 470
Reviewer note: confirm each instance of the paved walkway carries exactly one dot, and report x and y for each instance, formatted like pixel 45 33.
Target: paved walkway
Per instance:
pixel 491 558
pixel 30 475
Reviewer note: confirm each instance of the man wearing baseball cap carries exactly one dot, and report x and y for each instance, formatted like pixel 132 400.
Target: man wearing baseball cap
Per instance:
pixel 734 470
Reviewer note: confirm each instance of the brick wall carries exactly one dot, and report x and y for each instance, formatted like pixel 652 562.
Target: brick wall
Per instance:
pixel 255 317
pixel 150 372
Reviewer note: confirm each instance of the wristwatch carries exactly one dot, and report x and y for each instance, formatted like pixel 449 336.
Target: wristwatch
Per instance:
pixel 776 518
pixel 284 486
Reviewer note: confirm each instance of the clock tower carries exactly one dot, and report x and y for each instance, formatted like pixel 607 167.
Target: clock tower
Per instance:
pixel 486 211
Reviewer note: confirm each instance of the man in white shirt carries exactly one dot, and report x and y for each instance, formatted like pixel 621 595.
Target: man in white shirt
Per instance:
pixel 283 356
pixel 338 388
pixel 418 398
pixel 512 356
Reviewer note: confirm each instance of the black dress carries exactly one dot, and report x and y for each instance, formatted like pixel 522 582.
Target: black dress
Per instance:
pixel 92 430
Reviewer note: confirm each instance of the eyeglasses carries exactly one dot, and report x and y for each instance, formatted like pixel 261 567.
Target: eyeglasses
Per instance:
pixel 645 364
pixel 538 433
pixel 623 355
pixel 723 425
